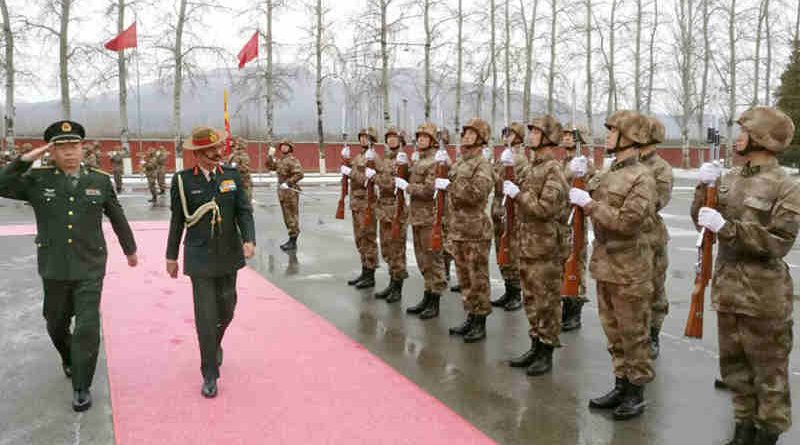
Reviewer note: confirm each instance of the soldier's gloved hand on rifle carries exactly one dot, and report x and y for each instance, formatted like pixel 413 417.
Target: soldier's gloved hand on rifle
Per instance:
pixel 346 152
pixel 370 155
pixel 271 151
pixel 507 158
pixel 579 197
pixel 710 172
pixel 284 186
pixel 402 158
pixel 441 183
pixel 401 183
pixel 579 166
pixel 415 156
pixel 510 189
pixel 442 157
pixel 370 173
pixel 710 219
pixel 345 170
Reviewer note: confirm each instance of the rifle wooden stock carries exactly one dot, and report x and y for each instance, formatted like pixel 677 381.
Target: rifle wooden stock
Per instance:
pixel 345 191
pixel 370 196
pixel 402 172
pixel 570 284
pixel 694 324
pixel 503 254
pixel 436 231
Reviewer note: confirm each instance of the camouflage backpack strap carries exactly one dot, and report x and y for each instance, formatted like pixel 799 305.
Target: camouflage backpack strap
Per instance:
pixel 194 218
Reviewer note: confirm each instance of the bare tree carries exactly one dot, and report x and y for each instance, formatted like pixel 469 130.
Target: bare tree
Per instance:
pixel 9 71
pixel 529 26
pixel 702 97
pixel 637 59
pixel 322 47
pixel 685 61
pixel 757 57
pixel 119 6
pixel 426 14
pixel 551 77
pixel 459 62
pixel 652 59
pixel 589 73
pixel 768 62
pixel 493 59
pixel 507 62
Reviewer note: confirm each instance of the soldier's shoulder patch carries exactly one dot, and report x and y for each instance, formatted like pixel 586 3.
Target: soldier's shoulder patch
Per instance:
pixel 43 168
pixel 97 170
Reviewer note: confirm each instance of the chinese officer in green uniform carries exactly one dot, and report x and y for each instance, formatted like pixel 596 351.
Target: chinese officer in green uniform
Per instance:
pixel 210 203
pixel 69 200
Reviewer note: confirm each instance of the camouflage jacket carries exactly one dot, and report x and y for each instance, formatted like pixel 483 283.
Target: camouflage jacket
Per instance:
pixel 543 209
pixel 358 182
pixel 387 203
pixel 289 171
pixel 520 165
pixel 241 161
pixel 622 206
pixel 761 206
pixel 420 188
pixel 662 173
pixel 471 182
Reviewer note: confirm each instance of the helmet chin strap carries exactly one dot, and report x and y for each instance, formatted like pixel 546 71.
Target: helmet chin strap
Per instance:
pixel 749 148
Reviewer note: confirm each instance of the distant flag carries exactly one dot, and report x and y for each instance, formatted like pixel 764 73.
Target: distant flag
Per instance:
pixel 125 39
pixel 249 52
pixel 227 126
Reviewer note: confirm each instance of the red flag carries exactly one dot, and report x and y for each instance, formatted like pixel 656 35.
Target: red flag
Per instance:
pixel 126 39
pixel 249 52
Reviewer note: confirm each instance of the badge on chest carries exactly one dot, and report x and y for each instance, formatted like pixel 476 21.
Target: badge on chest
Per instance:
pixel 228 185
pixel 93 192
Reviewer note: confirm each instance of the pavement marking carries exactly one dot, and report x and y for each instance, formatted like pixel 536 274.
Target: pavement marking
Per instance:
pixel 77 429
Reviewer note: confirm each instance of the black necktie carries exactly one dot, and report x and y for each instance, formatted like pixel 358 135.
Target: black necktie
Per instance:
pixel 211 177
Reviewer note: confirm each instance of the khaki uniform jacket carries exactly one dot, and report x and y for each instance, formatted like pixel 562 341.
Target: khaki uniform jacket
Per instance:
pixel 662 173
pixel 543 209
pixel 420 188
pixel 471 182
pixel 387 203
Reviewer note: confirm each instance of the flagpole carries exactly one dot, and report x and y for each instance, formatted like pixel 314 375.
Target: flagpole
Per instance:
pixel 139 100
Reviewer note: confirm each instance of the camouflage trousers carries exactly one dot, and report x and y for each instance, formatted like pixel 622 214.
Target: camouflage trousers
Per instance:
pixel 366 238
pixel 290 207
pixel 624 313
pixel 541 292
pixel 162 178
pixel 394 250
pixel 430 263
pixel 118 180
pixel 152 179
pixel 659 305
pixel 510 271
pixel 754 362
pixel 472 267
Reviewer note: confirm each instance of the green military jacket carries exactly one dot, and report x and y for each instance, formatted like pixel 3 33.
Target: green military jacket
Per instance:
pixel 210 251
pixel 69 236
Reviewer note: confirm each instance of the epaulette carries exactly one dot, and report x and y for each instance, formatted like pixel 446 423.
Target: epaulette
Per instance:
pixel 97 170
pixel 43 167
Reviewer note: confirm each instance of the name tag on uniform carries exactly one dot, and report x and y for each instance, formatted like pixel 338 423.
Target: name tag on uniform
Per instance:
pixel 49 193
pixel 93 192
pixel 227 185
pixel 196 192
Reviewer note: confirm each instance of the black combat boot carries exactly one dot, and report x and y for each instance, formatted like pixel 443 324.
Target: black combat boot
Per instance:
pixel 501 302
pixel 456 288
pixel 764 437
pixel 419 307
pixel 355 280
pixel 81 400
pixel 432 311
pixel 744 434
pixel 543 362
pixel 514 295
pixel 655 348
pixel 384 294
pixel 613 398
pixel 368 281
pixel 719 384
pixel 525 360
pixel 572 314
pixel 478 330
pixel 632 404
pixel 153 199
pixel 397 293
pixel 464 327
pixel 290 245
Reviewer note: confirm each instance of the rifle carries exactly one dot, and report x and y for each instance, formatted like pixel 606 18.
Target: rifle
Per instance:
pixel 345 182
pixel 370 185
pixel 401 170
pixel 570 285
pixel 439 195
pixel 705 244
pixel 503 254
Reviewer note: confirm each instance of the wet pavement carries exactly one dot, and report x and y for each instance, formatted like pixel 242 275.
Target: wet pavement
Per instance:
pixel 474 380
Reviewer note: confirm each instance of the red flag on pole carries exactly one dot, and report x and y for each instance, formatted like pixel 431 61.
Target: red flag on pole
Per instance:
pixel 249 52
pixel 126 39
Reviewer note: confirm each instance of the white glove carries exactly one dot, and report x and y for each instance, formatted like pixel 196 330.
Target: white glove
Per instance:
pixel 710 219
pixel 487 153
pixel 579 166
pixel 402 158
pixel 346 170
pixel 271 151
pixel 370 173
pixel 442 184
pixel 415 156
pixel 442 156
pixel 401 183
pixel 284 186
pixel 510 189
pixel 710 172
pixel 370 155
pixel 507 158
pixel 346 152
pixel 579 197
pixel 233 164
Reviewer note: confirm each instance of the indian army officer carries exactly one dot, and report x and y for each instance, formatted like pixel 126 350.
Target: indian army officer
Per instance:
pixel 241 161
pixel 117 168
pixel 658 237
pixel 468 188
pixel 513 136
pixel 619 202
pixel 69 200
pixel 366 235
pixel 209 203
pixel 290 173
pixel 572 308
pixel 392 250
pixel 756 222
pixel 421 216
pixel 541 198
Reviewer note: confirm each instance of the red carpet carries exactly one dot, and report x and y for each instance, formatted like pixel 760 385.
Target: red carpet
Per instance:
pixel 289 376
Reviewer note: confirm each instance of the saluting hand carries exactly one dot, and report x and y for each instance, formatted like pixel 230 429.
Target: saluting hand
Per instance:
pixel 36 153
pixel 249 249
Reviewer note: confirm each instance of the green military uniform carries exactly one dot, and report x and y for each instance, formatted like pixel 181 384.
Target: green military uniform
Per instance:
pixel 71 251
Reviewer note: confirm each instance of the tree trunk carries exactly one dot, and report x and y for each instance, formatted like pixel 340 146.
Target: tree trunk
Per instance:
pixel 63 59
pixel 768 73
pixel 493 62
pixel 507 63
pixel 177 84
pixel 611 103
pixel 652 63
pixel 551 78
pixel 637 59
pixel 702 98
pixel 427 68
pixel 732 83
pixel 387 118
pixel 757 58
pixel 797 24
pixel 530 30
pixel 589 75
pixel 685 58
pixel 268 76
pixel 318 50
pixel 8 38
pixel 460 65
pixel 123 82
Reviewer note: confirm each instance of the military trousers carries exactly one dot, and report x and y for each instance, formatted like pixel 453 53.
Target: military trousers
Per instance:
pixel 290 207
pixel 214 305
pixel 659 305
pixel 151 182
pixel 366 236
pixel 472 267
pixel 161 175
pixel 624 314
pixel 541 292
pixel 430 263
pixel 393 250
pixel 79 348
pixel 118 180
pixel 511 270
pixel 754 362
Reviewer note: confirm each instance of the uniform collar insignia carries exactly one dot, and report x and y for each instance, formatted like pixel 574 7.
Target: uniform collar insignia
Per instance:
pixel 622 164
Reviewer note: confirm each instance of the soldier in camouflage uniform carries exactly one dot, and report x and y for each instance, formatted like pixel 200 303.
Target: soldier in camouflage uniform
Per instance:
pixel 658 237
pixel 756 222
pixel 468 188
pixel 572 308
pixel 392 250
pixel 150 167
pixel 161 169
pixel 6 157
pixel 366 235
pixel 117 168
pixel 620 203
pixel 421 216
pixel 514 136
pixel 241 161
pixel 290 173
pixel 92 155
pixel 541 199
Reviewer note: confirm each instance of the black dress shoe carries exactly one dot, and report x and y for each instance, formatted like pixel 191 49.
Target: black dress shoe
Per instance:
pixel 210 388
pixel 67 368
pixel 219 357
pixel 81 400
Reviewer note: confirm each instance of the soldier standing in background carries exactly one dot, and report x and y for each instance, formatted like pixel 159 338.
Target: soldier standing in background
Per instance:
pixel 161 169
pixel 290 173
pixel 658 237
pixel 92 155
pixel 241 161
pixel 756 222
pixel 541 199
pixel 117 168
pixel 150 166
pixel 619 202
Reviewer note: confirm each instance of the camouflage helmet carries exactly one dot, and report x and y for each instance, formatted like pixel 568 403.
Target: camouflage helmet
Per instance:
pixel 394 131
pixel 657 131
pixel 518 130
pixel 614 119
pixel 583 132
pixel 481 127
pixel 549 126
pixel 429 129
pixel 286 142
pixel 369 132
pixel 26 147
pixel 631 125
pixel 769 127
